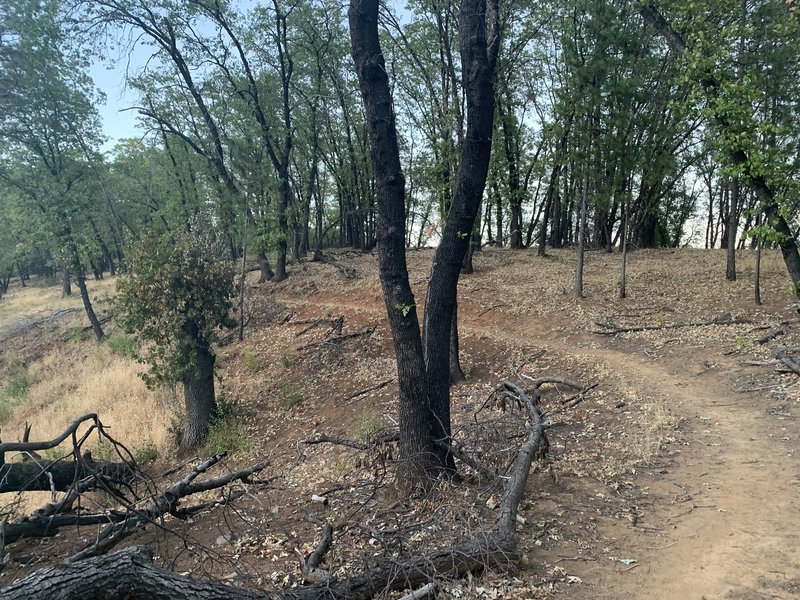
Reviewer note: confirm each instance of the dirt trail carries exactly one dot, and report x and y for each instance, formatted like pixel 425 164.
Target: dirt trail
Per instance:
pixel 727 508
pixel 723 519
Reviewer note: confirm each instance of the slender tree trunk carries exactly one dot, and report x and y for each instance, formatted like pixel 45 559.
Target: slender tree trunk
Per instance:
pixel 582 231
pixel 733 226
pixel 66 283
pixel 757 278
pixel 80 279
pixel 417 451
pixel 456 373
pixel 623 272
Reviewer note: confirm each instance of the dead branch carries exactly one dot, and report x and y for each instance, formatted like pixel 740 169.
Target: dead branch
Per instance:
pixel 336 324
pixel 157 507
pixel 770 336
pixel 338 338
pixel 458 452
pixel 311 570
pixel 576 399
pixel 57 476
pixel 71 429
pixel 429 589
pixel 41 527
pixel 129 573
pixel 371 388
pixel 613 329
pixel 323 438
pixel 784 356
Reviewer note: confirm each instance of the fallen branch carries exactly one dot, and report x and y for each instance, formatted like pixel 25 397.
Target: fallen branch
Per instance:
pixel 788 360
pixel 770 336
pixel 166 502
pixel 338 338
pixel 613 329
pixel 57 476
pixel 371 388
pixel 458 452
pixel 311 570
pixel 324 438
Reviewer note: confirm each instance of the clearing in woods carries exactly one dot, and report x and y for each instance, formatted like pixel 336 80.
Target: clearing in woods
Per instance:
pixel 677 476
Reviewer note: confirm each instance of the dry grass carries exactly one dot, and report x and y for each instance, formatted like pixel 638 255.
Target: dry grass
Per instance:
pixel 35 299
pixel 80 378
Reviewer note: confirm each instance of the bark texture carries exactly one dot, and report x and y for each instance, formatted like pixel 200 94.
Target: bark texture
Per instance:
pixel 416 447
pixel 199 399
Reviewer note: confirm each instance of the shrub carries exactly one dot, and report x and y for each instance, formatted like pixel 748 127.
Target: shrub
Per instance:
pixel 225 434
pixel 252 360
pixel 122 344
pixel 292 397
pixel 368 426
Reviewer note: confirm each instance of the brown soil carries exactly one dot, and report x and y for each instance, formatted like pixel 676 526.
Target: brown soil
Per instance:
pixel 676 477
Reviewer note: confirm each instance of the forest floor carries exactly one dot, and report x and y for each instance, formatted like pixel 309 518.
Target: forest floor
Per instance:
pixel 677 476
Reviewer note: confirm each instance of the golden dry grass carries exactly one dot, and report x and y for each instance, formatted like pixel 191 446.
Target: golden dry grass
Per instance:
pixel 34 299
pixel 79 378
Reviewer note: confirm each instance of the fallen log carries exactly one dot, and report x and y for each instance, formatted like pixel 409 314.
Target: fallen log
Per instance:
pixel 59 476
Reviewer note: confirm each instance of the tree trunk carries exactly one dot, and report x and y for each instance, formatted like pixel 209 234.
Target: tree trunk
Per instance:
pixel 80 279
pixel 733 226
pixel 199 399
pixel 582 232
pixel 456 373
pixel 757 277
pixel 425 413
pixel 623 271
pixel 66 283
pixel 416 461
pixel 479 45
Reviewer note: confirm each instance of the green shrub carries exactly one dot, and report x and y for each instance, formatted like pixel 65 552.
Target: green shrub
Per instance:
pixel 225 434
pixel 252 360
pixel 146 453
pixel 14 389
pixel 77 334
pixel 292 397
pixel 285 360
pixel 122 343
pixel 368 426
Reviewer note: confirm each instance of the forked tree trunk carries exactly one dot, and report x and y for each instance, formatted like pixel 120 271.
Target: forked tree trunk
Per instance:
pixel 425 408
pixel 199 399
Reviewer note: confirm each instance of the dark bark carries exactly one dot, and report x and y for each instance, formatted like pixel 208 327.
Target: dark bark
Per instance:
pixel 199 399
pixel 479 45
pixel 44 476
pixel 66 283
pixel 416 445
pixel 757 276
pixel 623 269
pixel 733 226
pixel 456 373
